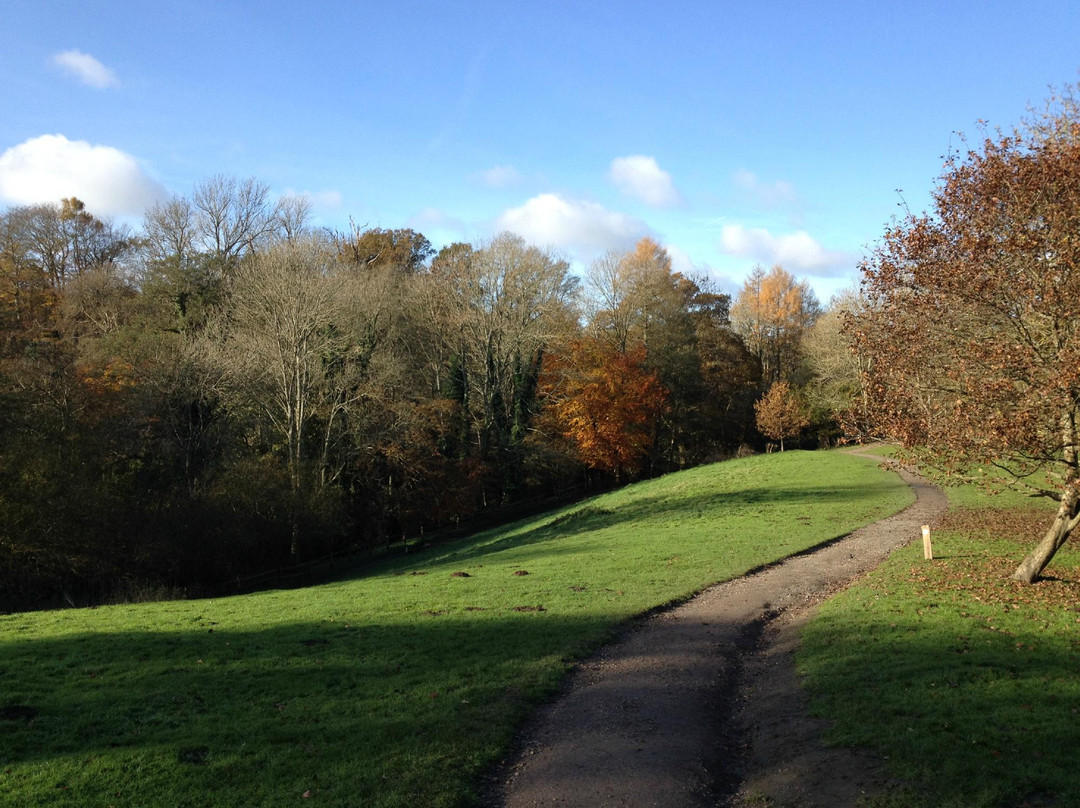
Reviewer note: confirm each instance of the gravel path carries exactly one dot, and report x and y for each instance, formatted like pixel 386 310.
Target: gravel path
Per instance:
pixel 700 705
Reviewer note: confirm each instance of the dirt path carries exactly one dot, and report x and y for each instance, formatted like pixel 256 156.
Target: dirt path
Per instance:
pixel 700 705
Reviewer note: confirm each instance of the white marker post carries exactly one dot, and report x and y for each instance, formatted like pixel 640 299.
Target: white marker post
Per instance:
pixel 927 550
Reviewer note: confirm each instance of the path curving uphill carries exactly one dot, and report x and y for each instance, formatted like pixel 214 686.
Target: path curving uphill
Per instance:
pixel 700 705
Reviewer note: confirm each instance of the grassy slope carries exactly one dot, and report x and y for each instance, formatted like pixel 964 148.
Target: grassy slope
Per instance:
pixel 396 688
pixel 967 681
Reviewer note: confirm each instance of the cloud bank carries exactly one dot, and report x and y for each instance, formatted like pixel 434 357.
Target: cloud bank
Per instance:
pixel 86 69
pixel 641 178
pixel 51 167
pixel 583 228
pixel 798 251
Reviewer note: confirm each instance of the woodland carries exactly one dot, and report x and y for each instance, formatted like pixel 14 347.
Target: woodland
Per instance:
pixel 227 389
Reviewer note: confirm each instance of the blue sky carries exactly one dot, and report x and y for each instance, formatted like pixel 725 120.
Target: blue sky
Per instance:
pixel 733 133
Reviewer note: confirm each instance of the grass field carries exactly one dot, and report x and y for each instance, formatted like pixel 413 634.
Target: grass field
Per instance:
pixel 968 682
pixel 396 688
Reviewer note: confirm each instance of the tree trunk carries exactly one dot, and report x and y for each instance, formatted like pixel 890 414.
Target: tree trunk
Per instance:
pixel 1064 523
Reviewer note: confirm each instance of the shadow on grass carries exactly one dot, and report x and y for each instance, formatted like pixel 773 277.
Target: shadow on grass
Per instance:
pixel 411 713
pixel 654 511
pixel 363 714
pixel 983 719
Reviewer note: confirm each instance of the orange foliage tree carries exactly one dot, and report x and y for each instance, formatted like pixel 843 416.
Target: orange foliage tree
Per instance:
pixel 779 414
pixel 606 403
pixel 772 313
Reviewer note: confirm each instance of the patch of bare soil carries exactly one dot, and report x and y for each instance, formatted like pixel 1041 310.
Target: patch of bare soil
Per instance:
pixel 700 705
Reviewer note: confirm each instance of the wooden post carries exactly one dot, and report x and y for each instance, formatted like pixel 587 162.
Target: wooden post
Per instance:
pixel 927 549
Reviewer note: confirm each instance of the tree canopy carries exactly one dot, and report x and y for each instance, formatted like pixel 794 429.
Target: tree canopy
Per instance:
pixel 228 389
pixel 972 318
pixel 780 414
pixel 772 313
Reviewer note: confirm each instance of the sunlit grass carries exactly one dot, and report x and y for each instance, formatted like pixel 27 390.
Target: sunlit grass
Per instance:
pixel 399 687
pixel 968 682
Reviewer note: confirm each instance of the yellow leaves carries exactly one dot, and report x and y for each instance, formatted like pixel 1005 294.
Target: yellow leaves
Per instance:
pixel 114 377
pixel 771 313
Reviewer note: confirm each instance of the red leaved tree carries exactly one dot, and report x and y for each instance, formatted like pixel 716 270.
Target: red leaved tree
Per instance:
pixel 973 319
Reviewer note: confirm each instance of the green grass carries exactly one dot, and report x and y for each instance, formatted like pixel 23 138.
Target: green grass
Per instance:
pixel 399 687
pixel 968 682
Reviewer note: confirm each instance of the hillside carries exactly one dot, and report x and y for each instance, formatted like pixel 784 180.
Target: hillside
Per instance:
pixel 400 686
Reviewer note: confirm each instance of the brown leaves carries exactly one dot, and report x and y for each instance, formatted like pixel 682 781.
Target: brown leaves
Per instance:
pixel 779 413
pixel 985 577
pixel 972 326
pixel 606 403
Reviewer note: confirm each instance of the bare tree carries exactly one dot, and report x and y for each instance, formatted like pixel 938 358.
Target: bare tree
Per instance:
pixel 64 240
pixel 291 217
pixel 506 302
pixel 282 308
pixel 169 230
pixel 231 215
pixel 610 295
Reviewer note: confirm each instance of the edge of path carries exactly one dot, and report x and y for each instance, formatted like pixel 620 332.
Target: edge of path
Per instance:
pixel 699 704
pixel 784 761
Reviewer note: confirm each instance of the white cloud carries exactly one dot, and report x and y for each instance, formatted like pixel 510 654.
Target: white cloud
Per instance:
pixel 798 251
pixel 682 262
pixel 51 167
pixel 583 228
pixel 642 178
pixel 497 177
pixel 86 69
pixel 771 194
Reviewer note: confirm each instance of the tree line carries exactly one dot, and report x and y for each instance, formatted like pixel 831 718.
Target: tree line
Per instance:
pixel 228 389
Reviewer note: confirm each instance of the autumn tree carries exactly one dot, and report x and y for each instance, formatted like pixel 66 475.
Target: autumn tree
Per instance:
pixel 772 313
pixel 780 414
pixel 404 248
pixel 501 306
pixel 635 299
pixel 731 381
pixel 606 403
pixel 631 294
pixel 25 289
pixel 974 318
pixel 63 240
